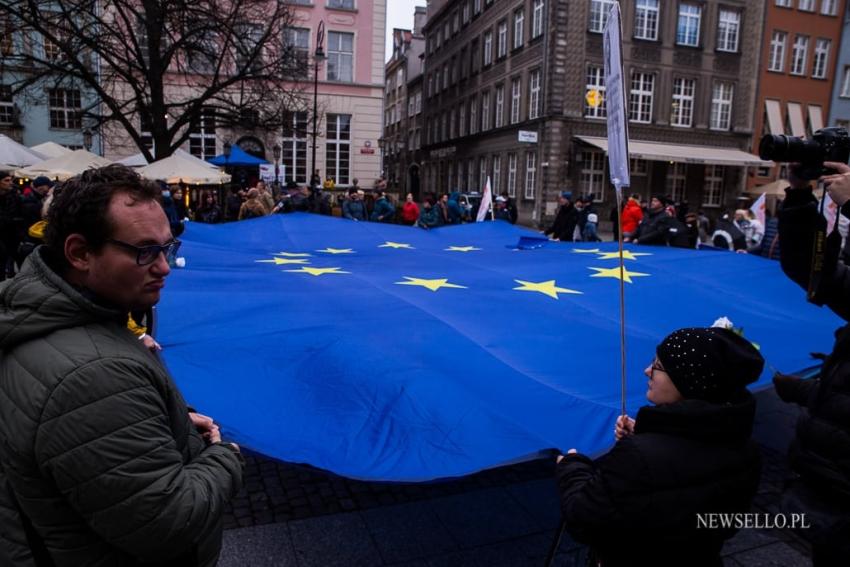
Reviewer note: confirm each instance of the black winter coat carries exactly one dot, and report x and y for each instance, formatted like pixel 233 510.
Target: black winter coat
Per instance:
pixel 565 223
pixel 820 452
pixel 638 503
pixel 653 229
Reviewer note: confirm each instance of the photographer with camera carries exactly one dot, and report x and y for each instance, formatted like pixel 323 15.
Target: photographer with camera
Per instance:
pixel 820 452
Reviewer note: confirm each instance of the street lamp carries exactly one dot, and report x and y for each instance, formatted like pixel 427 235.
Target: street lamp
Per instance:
pixel 318 57
pixel 276 154
pixel 87 139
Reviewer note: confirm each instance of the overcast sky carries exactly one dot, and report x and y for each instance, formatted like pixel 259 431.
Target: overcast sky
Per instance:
pixel 399 15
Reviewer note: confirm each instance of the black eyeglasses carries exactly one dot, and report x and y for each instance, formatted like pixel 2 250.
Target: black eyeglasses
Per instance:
pixel 148 254
pixel 656 366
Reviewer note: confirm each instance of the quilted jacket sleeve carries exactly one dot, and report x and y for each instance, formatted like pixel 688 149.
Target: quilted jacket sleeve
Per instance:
pixel 108 443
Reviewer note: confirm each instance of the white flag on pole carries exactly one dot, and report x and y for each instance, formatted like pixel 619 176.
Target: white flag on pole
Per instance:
pixel 486 202
pixel 618 126
pixel 758 209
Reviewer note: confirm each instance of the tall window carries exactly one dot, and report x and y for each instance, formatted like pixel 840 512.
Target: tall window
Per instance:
pixel 713 190
pixel 473 115
pixel 519 28
pixel 246 42
pixel 721 106
pixel 776 60
pixel 683 102
pixel 845 83
pixel 482 171
pixel 452 120
pixel 783 3
pixel 530 174
pixel 640 97
pixel 821 58
pixel 595 81
pixel 488 48
pixel 461 118
pixel 593 174
pixel 465 12
pixel 516 93
pixel 7 105
pixel 500 106
pixel 806 5
pixel 202 135
pixel 728 30
pixel 293 153
pixel 511 175
pixel 687 29
pixel 534 95
pixel 676 182
pixel 497 174
pixel 502 39
pixel 799 54
pixel 65 109
pixel 537 19
pixel 829 7
pixel 297 40
pixel 344 4
pixel 338 148
pixel 485 111
pixel 470 176
pixel 599 10
pixel 646 19
pixel 341 57
pixel 476 6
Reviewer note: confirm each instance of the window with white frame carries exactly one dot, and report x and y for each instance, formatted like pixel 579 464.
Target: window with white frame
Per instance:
pixel 444 123
pixel 845 83
pixel 452 120
pixel 675 185
pixel 411 107
pixel 465 12
pixel 65 109
pixel 530 174
pixel 682 113
pixel 341 57
pixel 470 176
pixel 640 97
pixel 537 19
pixel 783 3
pixel 476 6
pixel 637 167
pixel 485 111
pixel 455 22
pixel 496 180
pixel 776 58
pixel 829 7
pixel 473 115
pixel 821 61
pixel 338 148
pixel 461 118
pixel 592 178
pixel 799 54
pixel 418 103
pixel 712 193
pixel 247 38
pixel 646 19
pixel 7 105
pixel 297 41
pixel 687 28
pixel 519 28
pixel 534 94
pixel 511 175
pixel 293 150
pixel 488 48
pixel 721 106
pixel 516 95
pixel 599 10
pixel 728 30
pixel 806 5
pixel 447 32
pixel 502 39
pixel 343 4
pixel 595 81
pixel 500 106
pixel 202 135
pixel 482 171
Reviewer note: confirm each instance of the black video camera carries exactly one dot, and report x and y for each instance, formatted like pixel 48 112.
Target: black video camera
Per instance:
pixel 827 144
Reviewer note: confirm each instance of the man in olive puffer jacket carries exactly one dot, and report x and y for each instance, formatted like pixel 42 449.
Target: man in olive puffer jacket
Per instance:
pixel 101 462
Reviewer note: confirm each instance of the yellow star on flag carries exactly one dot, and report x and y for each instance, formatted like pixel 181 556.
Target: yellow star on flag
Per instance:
pixel 396 245
pixel 627 255
pixel 337 251
pixel 317 271
pixel 293 254
pixel 461 248
pixel 546 288
pixel 615 273
pixel 586 251
pixel 282 261
pixel 433 285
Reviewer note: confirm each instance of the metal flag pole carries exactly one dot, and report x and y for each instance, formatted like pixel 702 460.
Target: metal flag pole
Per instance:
pixel 622 301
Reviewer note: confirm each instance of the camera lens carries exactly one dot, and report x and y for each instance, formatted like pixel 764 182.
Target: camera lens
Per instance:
pixel 774 148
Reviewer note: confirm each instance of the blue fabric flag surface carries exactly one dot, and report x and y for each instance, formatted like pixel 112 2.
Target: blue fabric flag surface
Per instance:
pixel 393 353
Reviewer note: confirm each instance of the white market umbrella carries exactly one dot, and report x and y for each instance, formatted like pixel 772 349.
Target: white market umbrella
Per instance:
pixel 51 150
pixel 186 168
pixel 64 167
pixel 138 160
pixel 17 155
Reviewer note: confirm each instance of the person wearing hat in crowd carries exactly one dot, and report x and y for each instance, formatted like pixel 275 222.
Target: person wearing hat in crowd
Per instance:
pixel 501 212
pixel 384 211
pixel 689 453
pixel 653 227
pixel 565 221
pixel 353 208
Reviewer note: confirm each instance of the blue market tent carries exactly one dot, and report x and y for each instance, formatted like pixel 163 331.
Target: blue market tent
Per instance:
pixel 238 158
pixel 387 352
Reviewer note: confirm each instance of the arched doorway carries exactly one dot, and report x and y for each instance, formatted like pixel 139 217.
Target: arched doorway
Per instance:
pixel 253 146
pixel 413 181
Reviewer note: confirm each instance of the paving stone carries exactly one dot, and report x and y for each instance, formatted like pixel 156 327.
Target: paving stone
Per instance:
pixel 258 547
pixel 329 541
pixel 749 539
pixel 776 554
pixel 407 532
pixel 540 499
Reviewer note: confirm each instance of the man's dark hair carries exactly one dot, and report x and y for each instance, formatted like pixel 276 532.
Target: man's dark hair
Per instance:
pixel 4 173
pixel 80 206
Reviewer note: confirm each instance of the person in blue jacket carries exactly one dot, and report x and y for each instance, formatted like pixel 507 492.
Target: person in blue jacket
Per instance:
pixel 384 210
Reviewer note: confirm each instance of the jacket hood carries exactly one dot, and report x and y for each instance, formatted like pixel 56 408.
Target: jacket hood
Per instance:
pixel 38 302
pixel 454 195
pixel 702 420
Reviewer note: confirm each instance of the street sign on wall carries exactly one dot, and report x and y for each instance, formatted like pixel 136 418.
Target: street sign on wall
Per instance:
pixel 618 130
pixel 528 136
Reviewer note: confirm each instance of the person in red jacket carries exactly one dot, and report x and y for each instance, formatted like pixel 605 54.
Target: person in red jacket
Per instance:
pixel 632 215
pixel 409 211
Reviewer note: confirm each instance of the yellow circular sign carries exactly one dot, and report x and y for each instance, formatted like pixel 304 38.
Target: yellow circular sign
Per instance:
pixel 593 98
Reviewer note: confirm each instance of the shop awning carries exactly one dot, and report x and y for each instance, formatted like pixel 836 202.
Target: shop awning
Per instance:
pixel 682 153
pixel 795 118
pixel 774 117
pixel 815 117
